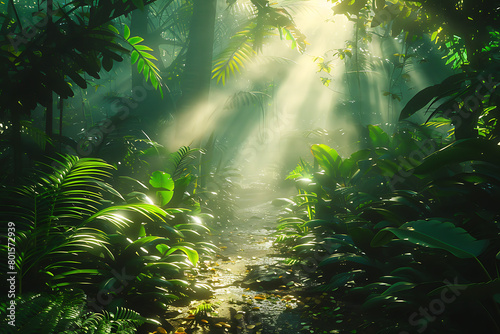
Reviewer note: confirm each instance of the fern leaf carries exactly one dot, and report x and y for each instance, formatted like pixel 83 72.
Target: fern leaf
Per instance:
pixel 234 58
pixel 178 161
pixel 53 216
pixel 66 312
pixel 141 54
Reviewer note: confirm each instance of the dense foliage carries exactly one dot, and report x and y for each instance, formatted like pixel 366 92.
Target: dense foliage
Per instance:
pixel 407 227
pixel 108 226
pixel 397 231
pixel 134 249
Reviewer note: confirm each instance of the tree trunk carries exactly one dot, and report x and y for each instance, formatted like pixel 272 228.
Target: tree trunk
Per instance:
pixel 195 83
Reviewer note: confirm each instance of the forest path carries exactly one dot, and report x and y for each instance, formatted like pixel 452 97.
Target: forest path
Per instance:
pixel 252 288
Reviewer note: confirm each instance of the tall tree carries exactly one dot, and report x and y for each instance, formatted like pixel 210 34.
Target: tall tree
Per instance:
pixel 198 67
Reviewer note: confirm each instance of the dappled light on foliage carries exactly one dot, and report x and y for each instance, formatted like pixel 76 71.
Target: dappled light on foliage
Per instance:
pixel 249 166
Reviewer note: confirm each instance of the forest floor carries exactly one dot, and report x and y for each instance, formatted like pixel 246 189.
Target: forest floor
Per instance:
pixel 254 291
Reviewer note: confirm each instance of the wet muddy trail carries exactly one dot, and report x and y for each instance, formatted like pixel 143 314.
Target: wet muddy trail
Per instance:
pixel 253 290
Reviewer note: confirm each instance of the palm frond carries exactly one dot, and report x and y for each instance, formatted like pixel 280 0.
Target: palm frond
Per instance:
pixel 179 160
pixel 294 35
pixel 263 23
pixel 141 55
pixel 235 57
pixel 123 321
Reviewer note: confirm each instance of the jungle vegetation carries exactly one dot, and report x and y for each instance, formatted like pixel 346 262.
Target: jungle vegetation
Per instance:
pixel 104 224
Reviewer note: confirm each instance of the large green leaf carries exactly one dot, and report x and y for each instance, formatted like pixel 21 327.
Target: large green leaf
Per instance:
pixel 190 252
pixel 142 241
pixel 181 185
pixel 398 286
pixel 327 158
pixel 165 196
pixel 161 179
pixel 435 234
pixel 341 279
pixel 437 92
pixel 378 137
pixel 163 267
pixel 460 151
pixel 362 237
pixel 420 100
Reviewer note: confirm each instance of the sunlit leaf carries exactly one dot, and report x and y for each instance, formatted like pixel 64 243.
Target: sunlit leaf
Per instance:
pixel 143 241
pixel 135 40
pixel 146 73
pixel 147 55
pixel 134 56
pixel 126 32
pixel 162 248
pixel 154 82
pixel 109 188
pixel 165 196
pixel 190 252
pixel 238 52
pixel 140 65
pixel 161 179
pixel 143 48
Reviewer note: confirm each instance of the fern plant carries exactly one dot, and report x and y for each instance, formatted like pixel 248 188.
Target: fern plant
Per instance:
pixel 66 312
pixel 265 21
pixel 235 57
pixel 61 222
pixel 178 161
pixel 140 55
pixel 67 235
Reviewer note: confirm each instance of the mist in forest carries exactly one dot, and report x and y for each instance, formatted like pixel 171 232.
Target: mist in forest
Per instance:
pixel 267 113
pixel 266 117
pixel 253 166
